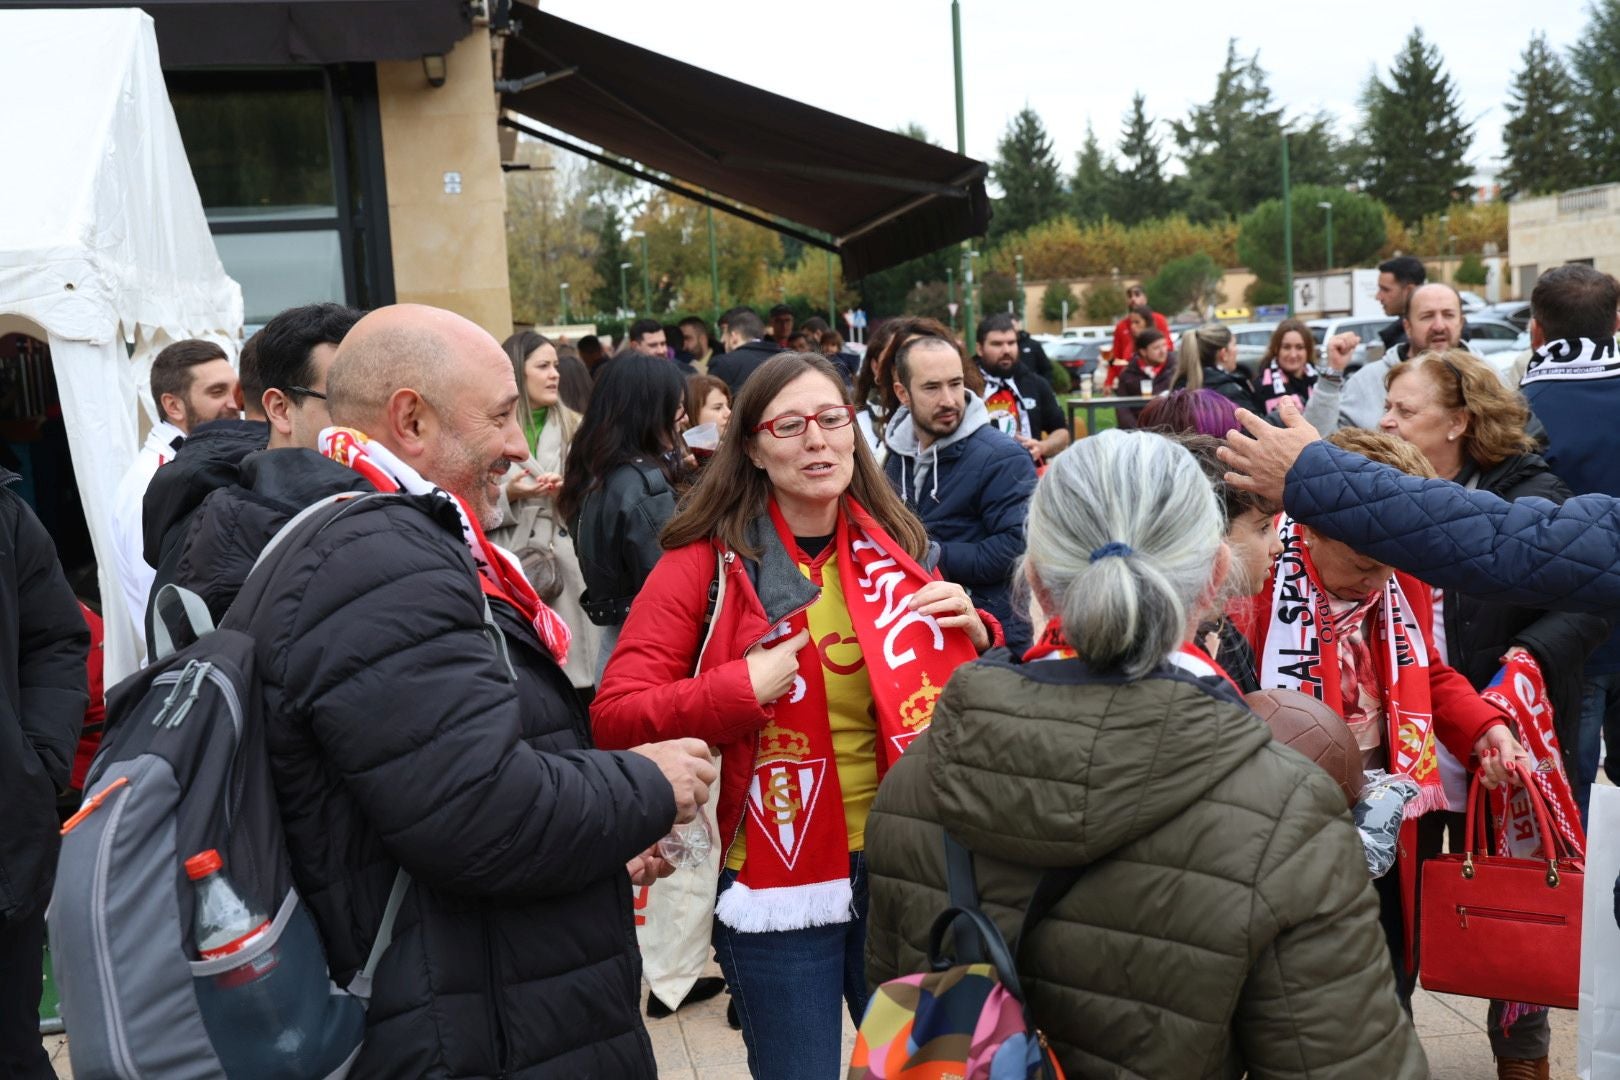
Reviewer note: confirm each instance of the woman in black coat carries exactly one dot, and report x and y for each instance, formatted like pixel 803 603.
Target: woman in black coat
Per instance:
pixel 1455 409
pixel 1206 359
pixel 620 484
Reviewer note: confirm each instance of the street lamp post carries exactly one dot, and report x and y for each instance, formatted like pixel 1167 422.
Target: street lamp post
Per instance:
pixel 967 297
pixel 1288 229
pixel 1018 261
pixel 564 291
pixel 646 275
pixel 624 288
pixel 1327 209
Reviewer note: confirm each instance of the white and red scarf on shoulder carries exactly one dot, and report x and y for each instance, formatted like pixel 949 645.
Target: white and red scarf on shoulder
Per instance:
pixel 500 575
pixel 1299 649
pixel 1053 644
pixel 797 871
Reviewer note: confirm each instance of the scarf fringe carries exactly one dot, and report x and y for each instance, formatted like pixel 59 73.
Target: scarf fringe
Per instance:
pixel 1429 798
pixel 790 907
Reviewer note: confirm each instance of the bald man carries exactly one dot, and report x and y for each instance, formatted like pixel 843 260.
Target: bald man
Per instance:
pixel 1433 322
pixel 403 735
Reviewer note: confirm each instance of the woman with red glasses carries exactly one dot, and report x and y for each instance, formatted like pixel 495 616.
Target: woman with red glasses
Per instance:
pixel 789 567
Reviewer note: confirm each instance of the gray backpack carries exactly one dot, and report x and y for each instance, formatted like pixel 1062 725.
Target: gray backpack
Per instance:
pixel 184 768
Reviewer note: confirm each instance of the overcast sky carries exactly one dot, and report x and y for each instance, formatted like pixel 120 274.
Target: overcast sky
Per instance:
pixel 1075 62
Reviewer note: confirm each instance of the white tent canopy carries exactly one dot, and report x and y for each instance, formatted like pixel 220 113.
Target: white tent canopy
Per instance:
pixel 104 249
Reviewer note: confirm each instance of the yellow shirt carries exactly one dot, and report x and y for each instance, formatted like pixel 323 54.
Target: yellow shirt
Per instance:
pixel 849 708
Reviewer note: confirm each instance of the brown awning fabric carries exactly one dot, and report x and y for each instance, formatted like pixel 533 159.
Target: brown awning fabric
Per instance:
pixel 197 33
pixel 883 198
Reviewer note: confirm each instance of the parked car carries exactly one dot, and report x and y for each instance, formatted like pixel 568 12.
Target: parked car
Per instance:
pixel 1251 339
pixel 1491 335
pixel 1079 355
pixel 1472 302
pixel 1087 333
pixel 1516 312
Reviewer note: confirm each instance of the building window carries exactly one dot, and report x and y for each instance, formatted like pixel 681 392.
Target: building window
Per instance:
pixel 288 162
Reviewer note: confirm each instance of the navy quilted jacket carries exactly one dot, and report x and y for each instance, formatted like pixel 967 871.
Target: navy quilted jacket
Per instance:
pixel 1530 552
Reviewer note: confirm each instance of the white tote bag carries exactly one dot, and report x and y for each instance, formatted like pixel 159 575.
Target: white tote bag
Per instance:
pixel 1599 1054
pixel 675 917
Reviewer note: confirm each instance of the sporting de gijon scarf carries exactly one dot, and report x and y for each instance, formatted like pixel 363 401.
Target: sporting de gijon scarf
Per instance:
pixel 1299 649
pixel 500 575
pixel 797 871
pixel 1053 644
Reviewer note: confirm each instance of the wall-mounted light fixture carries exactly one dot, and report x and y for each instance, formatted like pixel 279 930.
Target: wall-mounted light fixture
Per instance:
pixel 435 68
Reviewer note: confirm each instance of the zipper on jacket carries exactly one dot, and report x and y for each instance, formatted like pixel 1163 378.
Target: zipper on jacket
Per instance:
pixel 1507 914
pixel 495 1011
pixel 117 1036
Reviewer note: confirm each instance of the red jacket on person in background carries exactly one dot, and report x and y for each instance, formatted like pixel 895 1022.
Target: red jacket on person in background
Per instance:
pixel 648 692
pixel 95 717
pixel 1125 345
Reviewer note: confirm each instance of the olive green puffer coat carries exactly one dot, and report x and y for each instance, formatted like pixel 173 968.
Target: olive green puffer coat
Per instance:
pixel 1225 923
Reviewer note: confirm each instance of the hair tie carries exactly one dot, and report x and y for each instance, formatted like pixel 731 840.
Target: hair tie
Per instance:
pixel 1113 547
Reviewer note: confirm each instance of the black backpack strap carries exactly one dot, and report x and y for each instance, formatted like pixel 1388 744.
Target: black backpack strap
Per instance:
pixel 964 895
pixel 1053 886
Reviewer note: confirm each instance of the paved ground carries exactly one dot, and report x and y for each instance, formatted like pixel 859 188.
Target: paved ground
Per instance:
pixel 696 1043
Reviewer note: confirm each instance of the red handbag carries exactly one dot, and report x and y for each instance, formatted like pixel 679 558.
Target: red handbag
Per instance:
pixel 1501 927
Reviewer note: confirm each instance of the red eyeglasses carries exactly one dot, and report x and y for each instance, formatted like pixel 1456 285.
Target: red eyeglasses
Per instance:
pixel 792 426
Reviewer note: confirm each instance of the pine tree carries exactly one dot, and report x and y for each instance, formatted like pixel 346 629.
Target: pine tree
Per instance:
pixel 1413 139
pixel 1594 61
pixel 1231 146
pixel 1540 153
pixel 611 250
pixel 1091 193
pixel 1027 172
pixel 1143 191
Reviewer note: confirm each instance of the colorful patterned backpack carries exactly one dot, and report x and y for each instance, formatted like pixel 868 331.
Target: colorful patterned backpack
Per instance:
pixel 966 1017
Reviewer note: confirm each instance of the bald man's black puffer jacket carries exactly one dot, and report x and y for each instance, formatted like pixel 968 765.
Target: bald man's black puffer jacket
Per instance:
pixel 397 737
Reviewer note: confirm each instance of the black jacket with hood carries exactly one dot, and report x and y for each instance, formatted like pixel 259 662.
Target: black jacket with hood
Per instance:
pixel 43 646
pixel 1479 631
pixel 207 461
pixel 234 523
pixel 398 737
pixel 971 489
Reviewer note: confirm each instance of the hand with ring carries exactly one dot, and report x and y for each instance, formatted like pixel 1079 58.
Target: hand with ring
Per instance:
pixel 949 605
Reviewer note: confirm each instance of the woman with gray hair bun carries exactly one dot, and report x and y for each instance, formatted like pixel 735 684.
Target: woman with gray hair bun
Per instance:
pixel 1222 920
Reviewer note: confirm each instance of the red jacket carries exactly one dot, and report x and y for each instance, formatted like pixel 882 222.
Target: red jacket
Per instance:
pixel 1125 344
pixel 1461 716
pixel 649 692
pixel 96 715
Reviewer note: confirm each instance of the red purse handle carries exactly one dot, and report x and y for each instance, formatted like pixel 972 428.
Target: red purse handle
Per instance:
pixel 1475 822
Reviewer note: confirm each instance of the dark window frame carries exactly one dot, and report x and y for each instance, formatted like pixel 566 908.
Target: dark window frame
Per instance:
pixel 354 133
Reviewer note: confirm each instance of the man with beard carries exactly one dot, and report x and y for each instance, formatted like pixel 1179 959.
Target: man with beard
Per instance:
pixel 192 383
pixel 418 718
pixel 968 481
pixel 1019 401
pixel 1433 323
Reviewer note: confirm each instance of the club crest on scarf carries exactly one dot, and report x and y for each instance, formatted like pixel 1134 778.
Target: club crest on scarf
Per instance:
pixel 785 788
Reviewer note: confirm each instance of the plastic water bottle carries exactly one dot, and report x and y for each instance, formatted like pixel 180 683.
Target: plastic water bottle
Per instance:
pixel 224 923
pixel 687 845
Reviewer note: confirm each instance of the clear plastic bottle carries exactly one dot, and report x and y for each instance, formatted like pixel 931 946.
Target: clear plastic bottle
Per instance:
pixel 224 923
pixel 687 845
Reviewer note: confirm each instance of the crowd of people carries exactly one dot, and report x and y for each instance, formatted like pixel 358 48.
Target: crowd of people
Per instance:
pixel 870 602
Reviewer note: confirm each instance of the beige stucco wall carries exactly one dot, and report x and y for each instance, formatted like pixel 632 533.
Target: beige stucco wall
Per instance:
pixel 449 249
pixel 1555 229
pixel 1234 282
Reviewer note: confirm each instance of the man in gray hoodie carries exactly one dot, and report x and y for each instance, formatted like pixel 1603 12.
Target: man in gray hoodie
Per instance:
pixel 968 481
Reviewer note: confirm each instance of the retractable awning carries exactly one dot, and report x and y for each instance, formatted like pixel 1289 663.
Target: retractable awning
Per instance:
pixel 882 198
pixel 195 33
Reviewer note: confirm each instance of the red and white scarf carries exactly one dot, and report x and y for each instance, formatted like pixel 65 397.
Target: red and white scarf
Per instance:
pixel 1298 646
pixel 500 575
pixel 1053 644
pixel 797 871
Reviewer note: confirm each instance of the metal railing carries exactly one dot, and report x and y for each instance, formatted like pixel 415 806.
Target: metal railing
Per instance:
pixel 1583 199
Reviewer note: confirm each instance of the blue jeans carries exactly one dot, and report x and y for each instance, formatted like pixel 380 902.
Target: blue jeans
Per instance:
pixel 1600 717
pixel 791 986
